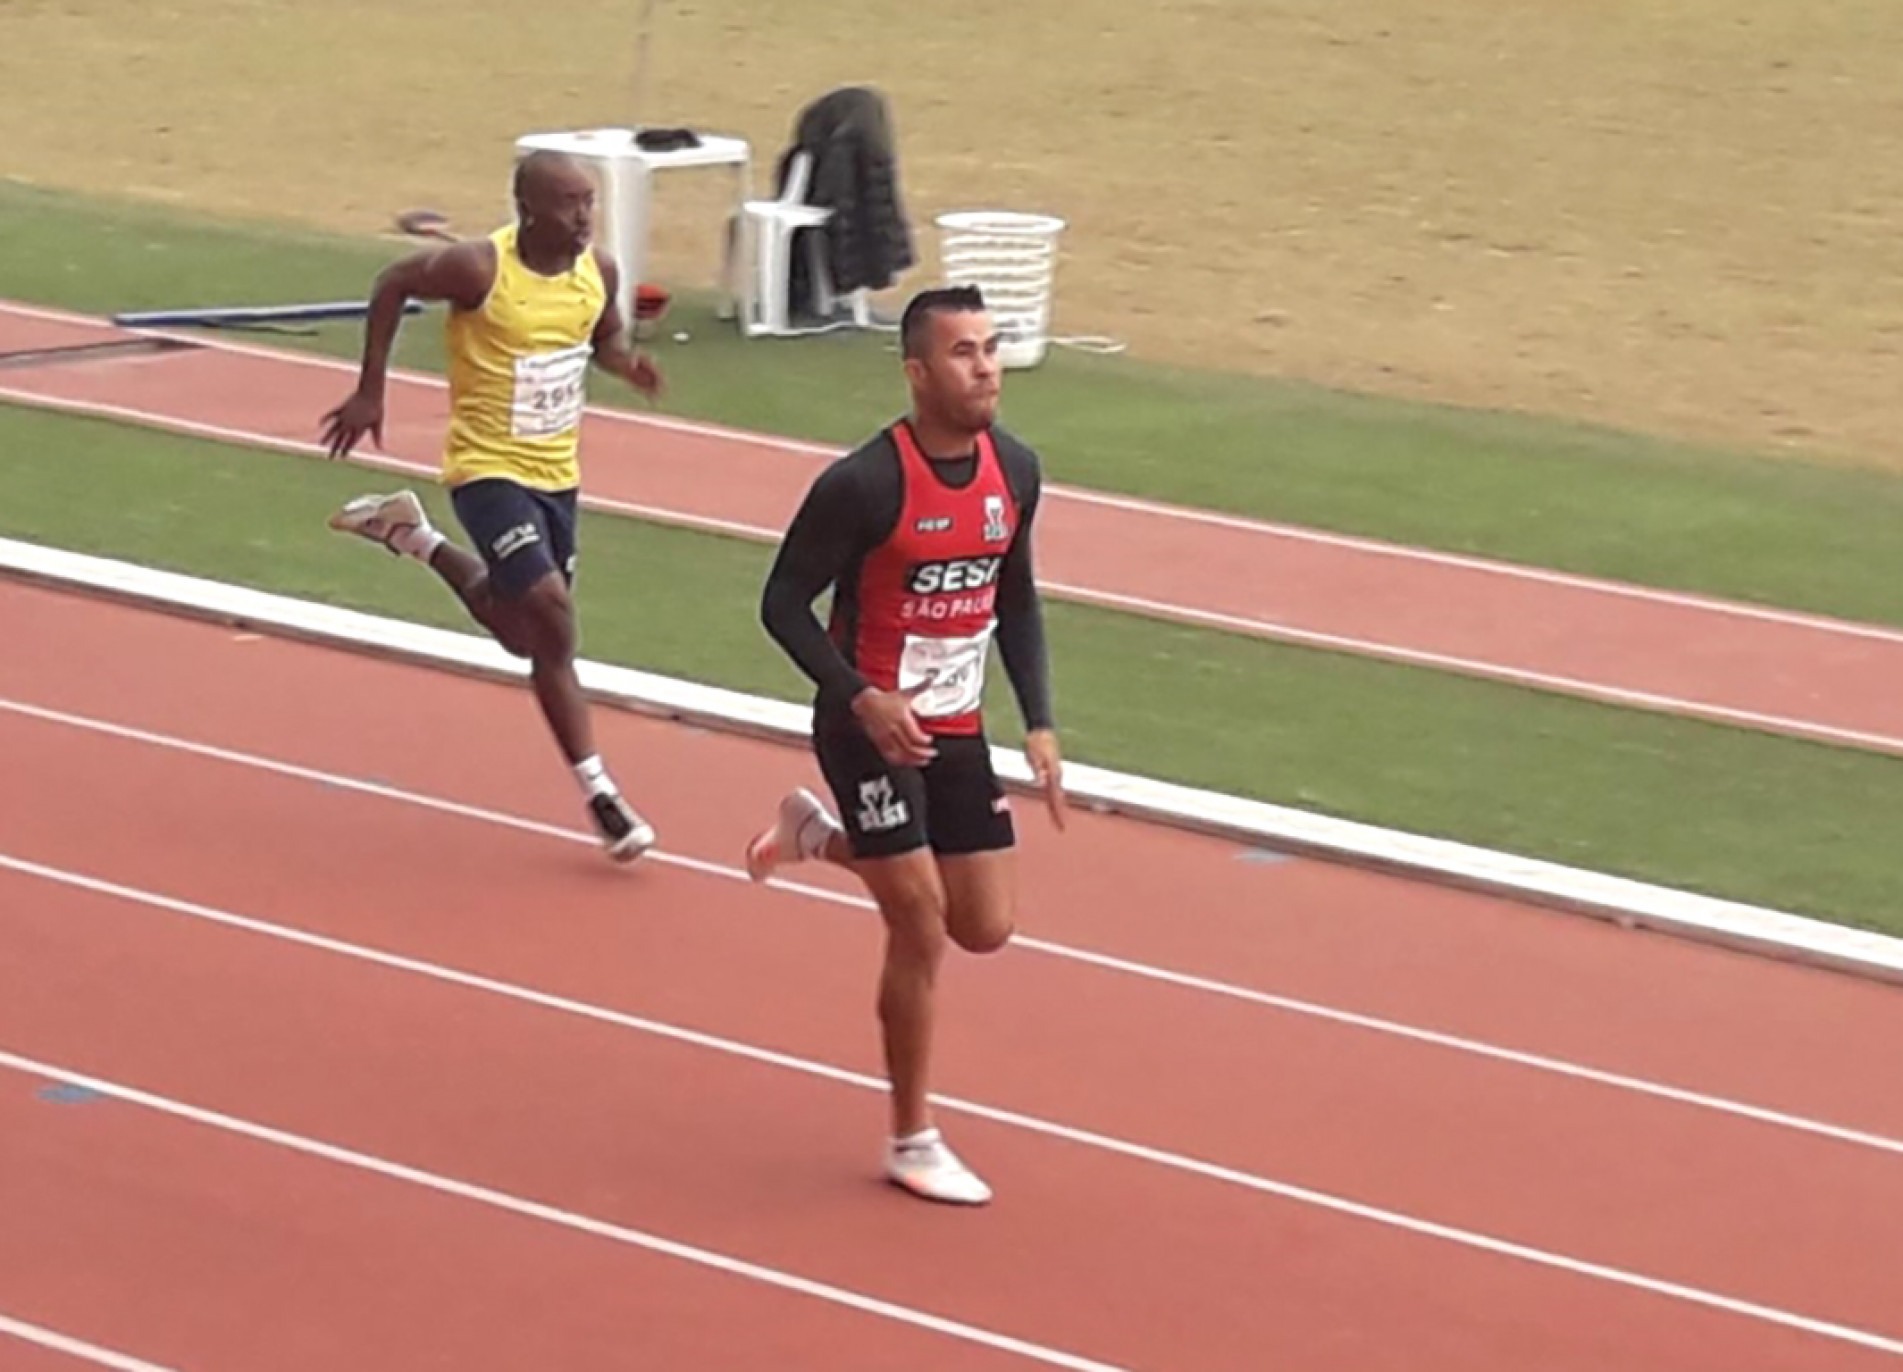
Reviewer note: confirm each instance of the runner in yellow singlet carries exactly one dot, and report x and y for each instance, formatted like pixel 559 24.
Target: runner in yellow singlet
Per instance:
pixel 530 308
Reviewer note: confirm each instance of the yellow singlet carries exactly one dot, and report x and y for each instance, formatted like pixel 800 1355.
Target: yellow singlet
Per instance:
pixel 518 371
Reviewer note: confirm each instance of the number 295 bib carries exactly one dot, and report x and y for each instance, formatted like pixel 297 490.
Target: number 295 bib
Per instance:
pixel 550 392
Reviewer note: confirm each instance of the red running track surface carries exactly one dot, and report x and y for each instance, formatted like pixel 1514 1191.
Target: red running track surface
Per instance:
pixel 671 1050
pixel 1757 667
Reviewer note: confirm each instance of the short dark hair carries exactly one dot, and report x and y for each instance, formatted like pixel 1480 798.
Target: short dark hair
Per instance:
pixel 526 169
pixel 921 307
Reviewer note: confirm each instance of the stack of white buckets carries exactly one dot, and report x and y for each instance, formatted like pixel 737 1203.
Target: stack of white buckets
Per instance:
pixel 1012 258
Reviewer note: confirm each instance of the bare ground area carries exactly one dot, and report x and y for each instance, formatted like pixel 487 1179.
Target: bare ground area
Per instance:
pixel 1676 217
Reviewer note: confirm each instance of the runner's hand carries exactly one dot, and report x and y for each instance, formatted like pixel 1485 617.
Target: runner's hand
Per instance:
pixel 887 718
pixel 644 374
pixel 635 367
pixel 349 422
pixel 1040 750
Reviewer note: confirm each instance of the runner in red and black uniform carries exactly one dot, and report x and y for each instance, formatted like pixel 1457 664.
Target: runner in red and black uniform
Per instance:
pixel 923 534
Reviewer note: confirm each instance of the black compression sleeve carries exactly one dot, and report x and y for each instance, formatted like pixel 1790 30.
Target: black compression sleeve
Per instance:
pixel 1021 622
pixel 820 544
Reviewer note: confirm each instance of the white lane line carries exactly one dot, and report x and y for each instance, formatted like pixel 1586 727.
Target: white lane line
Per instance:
pixel 1480 667
pixel 1517 571
pixel 76 1348
pixel 1270 629
pixel 549 1214
pixel 951 1104
pixel 1089 957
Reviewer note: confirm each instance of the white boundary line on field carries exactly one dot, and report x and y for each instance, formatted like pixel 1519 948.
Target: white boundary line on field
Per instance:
pixel 1271 630
pixel 1036 1125
pixel 1023 942
pixel 251 438
pixel 634 1238
pixel 1128 504
pixel 1729 923
pixel 75 1348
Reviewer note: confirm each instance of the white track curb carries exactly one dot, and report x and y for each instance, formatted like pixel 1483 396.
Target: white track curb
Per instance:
pixel 1633 904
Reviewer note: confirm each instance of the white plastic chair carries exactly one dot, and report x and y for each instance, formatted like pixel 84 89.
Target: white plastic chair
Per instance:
pixel 769 228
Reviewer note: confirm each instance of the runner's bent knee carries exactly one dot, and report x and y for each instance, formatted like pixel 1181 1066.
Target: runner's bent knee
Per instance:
pixel 982 895
pixel 506 623
pixel 912 902
pixel 549 616
pixel 985 929
pixel 981 917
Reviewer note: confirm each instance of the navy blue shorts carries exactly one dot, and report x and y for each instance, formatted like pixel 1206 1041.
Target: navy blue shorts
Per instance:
pixel 521 533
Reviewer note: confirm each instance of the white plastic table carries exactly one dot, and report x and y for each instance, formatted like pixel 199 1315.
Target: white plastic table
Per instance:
pixel 627 170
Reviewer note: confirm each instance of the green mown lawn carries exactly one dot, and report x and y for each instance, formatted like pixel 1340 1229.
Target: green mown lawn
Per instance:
pixel 1757 818
pixel 1588 501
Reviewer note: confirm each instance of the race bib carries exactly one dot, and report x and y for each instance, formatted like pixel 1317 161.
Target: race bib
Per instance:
pixel 550 391
pixel 955 669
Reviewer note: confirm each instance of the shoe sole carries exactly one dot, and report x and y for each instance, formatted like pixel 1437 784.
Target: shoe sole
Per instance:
pixel 631 849
pixel 340 520
pixel 915 1191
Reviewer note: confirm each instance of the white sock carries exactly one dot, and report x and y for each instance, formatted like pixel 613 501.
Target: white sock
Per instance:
pixel 594 777
pixel 927 1135
pixel 419 542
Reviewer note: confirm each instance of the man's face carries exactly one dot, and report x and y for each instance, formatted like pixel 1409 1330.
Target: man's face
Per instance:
pixel 958 372
pixel 562 205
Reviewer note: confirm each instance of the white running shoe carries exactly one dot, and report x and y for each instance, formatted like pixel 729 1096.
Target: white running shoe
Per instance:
pixel 926 1166
pixel 624 833
pixel 798 832
pixel 380 518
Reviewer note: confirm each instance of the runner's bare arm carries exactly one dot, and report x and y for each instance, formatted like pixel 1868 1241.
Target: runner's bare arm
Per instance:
pixel 612 355
pixel 460 274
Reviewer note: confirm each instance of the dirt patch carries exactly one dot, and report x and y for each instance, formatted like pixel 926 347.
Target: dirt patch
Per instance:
pixel 1679 218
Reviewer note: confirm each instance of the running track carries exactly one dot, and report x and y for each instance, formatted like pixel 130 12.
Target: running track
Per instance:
pixel 1744 665
pixel 328 1040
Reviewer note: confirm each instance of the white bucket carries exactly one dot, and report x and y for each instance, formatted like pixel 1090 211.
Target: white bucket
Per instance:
pixel 1012 259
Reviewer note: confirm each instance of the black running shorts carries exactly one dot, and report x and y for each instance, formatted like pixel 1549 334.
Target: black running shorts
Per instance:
pixel 954 804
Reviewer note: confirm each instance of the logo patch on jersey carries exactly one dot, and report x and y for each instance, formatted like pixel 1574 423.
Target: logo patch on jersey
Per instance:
pixel 995 528
pixel 937 524
pixel 953 574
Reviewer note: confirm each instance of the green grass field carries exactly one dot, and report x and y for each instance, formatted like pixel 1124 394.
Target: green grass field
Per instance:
pixel 1792 824
pixel 1590 501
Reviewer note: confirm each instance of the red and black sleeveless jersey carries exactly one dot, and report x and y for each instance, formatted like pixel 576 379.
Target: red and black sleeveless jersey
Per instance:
pixel 922 556
pixel 924 603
